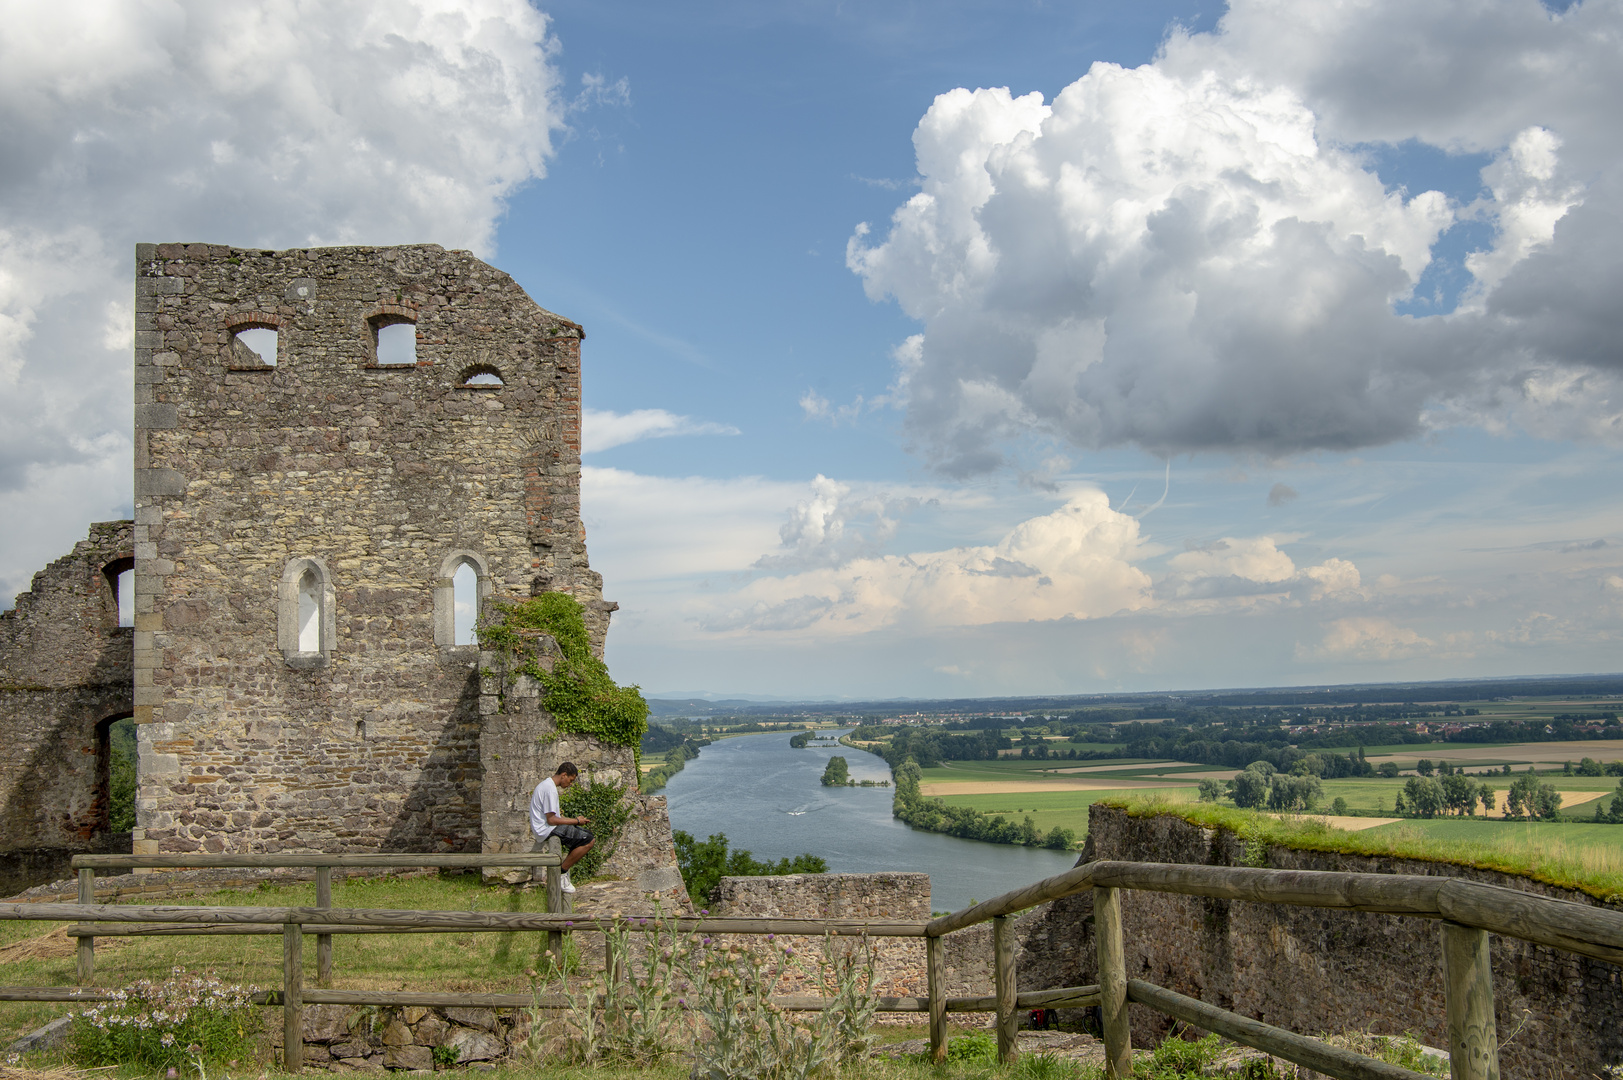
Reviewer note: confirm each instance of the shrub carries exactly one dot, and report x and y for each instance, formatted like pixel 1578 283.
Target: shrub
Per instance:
pixel 837 773
pixel 1339 806
pixel 606 805
pixel 976 1048
pixel 705 863
pixel 164 1024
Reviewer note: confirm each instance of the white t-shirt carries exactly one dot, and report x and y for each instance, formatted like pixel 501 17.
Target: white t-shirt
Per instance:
pixel 544 801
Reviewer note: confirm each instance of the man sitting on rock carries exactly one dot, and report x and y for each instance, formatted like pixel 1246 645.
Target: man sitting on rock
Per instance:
pixel 545 820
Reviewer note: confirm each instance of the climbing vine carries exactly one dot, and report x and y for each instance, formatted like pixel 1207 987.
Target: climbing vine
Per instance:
pixel 579 693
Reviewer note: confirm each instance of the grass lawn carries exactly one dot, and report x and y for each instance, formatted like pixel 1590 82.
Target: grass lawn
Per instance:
pixel 1515 833
pixel 1068 809
pixel 38 954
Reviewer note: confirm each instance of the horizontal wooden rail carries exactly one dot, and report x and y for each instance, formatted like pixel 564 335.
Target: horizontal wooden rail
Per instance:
pixel 1543 920
pixel 328 919
pixel 1075 996
pixel 1301 1049
pixel 341 862
pixel 1051 888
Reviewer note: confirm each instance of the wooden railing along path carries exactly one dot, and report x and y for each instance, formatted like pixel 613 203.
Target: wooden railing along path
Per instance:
pixel 1469 911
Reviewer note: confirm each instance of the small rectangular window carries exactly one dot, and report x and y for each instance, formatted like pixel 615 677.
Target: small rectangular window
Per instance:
pixel 397 344
pixel 254 347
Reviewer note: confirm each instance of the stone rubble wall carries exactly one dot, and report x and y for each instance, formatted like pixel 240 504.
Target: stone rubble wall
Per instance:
pixel 381 477
pixel 345 1038
pixel 65 676
pixel 1315 970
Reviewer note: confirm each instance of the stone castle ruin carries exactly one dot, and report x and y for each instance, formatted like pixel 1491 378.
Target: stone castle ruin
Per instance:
pixel 335 451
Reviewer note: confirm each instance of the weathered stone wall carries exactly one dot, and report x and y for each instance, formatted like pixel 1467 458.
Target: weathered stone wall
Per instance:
pixel 375 479
pixel 521 745
pixel 64 679
pixel 1314 970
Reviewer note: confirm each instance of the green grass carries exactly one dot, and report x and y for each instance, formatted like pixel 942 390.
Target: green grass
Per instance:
pixel 1012 769
pixel 1572 856
pixel 1068 809
pixel 484 962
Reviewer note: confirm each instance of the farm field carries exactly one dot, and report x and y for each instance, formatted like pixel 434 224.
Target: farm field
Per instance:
pixel 1068 809
pixel 1483 755
pixel 1376 796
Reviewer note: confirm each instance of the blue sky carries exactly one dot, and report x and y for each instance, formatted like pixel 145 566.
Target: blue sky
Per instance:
pixel 890 364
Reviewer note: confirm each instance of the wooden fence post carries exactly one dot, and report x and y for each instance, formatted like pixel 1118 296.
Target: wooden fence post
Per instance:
pixel 1118 1030
pixel 1008 1020
pixel 292 997
pixel 324 941
pixel 87 945
pixel 1473 1042
pixel 935 966
pixel 555 902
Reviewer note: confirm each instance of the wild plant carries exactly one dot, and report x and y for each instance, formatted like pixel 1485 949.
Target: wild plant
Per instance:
pixel 746 1036
pixel 169 1023
pixel 633 1017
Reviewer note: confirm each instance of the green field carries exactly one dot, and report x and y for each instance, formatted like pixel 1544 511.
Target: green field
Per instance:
pixel 1008 769
pixel 1067 809
pixel 1514 833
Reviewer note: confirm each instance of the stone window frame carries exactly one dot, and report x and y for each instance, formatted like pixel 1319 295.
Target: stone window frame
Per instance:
pixel 287 613
pixel 481 368
pixel 239 321
pixel 379 316
pixel 110 572
pixel 445 595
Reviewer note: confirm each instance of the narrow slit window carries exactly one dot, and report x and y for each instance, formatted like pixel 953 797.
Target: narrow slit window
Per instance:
pixel 126 598
pixel 309 613
pixel 254 346
pixel 465 590
pixel 397 344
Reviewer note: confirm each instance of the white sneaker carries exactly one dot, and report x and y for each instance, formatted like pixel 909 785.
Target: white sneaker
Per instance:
pixel 566 884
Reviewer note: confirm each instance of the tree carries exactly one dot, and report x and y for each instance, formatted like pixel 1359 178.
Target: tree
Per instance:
pixel 1339 807
pixel 1459 794
pixel 1388 770
pixel 837 774
pixel 1249 789
pixel 1311 765
pixel 1210 790
pixel 704 863
pixel 1424 767
pixel 1488 798
pixel 1294 793
pixel 1590 767
pixel 1424 796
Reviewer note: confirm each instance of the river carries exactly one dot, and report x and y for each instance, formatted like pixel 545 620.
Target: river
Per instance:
pixel 765 796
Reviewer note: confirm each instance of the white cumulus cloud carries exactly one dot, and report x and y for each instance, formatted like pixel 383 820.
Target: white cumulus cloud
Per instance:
pixel 268 123
pixel 1196 255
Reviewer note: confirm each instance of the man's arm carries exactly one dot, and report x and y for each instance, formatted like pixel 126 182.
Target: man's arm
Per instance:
pixel 554 819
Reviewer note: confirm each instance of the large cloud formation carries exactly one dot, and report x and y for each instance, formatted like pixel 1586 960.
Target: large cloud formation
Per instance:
pixel 272 123
pixel 1197 255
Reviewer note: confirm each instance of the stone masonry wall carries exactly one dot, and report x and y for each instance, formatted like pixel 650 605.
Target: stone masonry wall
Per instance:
pixel 64 678
pixel 1314 970
pixel 376 480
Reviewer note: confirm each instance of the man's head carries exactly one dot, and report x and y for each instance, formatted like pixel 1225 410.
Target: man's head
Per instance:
pixel 566 775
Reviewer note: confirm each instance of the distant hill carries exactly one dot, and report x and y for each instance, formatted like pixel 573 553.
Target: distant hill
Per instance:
pixel 1347 694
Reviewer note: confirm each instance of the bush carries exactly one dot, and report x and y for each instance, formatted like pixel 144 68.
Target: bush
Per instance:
pixel 976 1048
pixel 161 1025
pixel 1339 807
pixel 606 805
pixel 705 863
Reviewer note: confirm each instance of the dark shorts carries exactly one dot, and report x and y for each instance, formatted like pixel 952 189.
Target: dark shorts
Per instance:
pixel 572 836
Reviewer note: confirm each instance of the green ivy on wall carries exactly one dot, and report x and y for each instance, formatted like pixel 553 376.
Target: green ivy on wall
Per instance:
pixel 606 805
pixel 579 693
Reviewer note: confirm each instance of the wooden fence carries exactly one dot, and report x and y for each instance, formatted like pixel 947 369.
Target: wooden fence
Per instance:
pixel 1469 911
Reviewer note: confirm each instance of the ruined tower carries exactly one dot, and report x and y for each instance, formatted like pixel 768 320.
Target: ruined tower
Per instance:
pixel 303 504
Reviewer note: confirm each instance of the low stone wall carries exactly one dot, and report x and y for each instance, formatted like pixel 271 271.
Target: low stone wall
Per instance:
pixel 346 1038
pixel 1314 970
